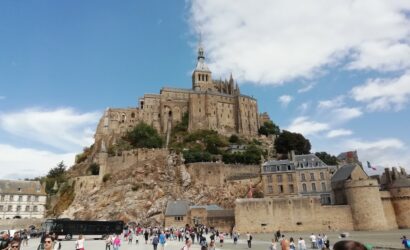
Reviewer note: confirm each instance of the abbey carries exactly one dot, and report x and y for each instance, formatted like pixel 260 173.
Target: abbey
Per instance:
pixel 210 104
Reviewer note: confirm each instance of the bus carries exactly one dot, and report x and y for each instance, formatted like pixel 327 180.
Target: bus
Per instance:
pixel 66 228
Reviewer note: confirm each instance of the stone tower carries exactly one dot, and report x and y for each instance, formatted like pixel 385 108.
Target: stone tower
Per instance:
pixel 202 76
pixel 363 196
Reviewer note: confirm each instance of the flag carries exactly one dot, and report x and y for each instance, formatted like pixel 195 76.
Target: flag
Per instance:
pixel 370 166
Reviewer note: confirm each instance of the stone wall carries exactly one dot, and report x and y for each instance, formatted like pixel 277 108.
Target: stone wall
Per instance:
pixel 20 223
pixel 401 204
pixel 388 210
pixel 290 214
pixel 220 173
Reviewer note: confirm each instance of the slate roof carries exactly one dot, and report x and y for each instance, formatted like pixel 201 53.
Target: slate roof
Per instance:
pixel 211 207
pixel 343 173
pixel 21 187
pixel 177 208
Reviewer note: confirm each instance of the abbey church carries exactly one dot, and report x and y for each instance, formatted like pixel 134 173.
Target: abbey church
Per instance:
pixel 210 104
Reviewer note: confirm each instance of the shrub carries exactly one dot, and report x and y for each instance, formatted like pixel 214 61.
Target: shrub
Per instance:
pixel 94 168
pixel 234 139
pixel 106 177
pixel 143 136
pixel 196 156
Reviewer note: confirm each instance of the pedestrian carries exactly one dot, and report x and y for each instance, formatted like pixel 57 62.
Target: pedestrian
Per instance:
pixel 162 240
pixel 146 234
pixel 301 244
pixel 292 244
pixel 272 245
pixel 116 242
pixel 285 245
pixel 235 238
pixel 155 242
pixel 319 242
pixel 188 244
pixel 108 243
pixel 249 239
pixel 313 240
pixel 221 238
pixel 79 244
pixel 405 242
pixel 130 237
pixel 4 241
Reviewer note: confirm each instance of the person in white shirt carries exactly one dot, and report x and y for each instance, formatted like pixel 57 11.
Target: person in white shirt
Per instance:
pixel 313 240
pixel 79 244
pixel 301 244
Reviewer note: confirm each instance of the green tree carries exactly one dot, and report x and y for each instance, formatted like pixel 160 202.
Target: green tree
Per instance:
pixel 288 141
pixel 327 158
pixel 191 156
pixel 143 136
pixel 57 171
pixel 183 125
pixel 94 168
pixel 234 139
pixel 269 128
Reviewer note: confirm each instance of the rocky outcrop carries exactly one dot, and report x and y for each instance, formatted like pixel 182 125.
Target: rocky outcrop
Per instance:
pixel 140 191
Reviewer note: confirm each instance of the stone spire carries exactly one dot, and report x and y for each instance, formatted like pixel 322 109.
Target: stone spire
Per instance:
pixel 202 76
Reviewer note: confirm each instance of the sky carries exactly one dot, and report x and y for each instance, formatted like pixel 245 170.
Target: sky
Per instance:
pixel 338 72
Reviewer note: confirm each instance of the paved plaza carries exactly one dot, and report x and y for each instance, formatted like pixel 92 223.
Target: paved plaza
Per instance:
pixel 260 242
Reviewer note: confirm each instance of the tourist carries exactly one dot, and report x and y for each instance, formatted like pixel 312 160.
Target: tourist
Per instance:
pixel 221 238
pixel 14 245
pixel 313 240
pixel 4 241
pixel 79 244
pixel 108 243
pixel 277 235
pixel 301 244
pixel 405 242
pixel 188 244
pixel 162 240
pixel 348 245
pixel 202 241
pixel 146 234
pixel 235 238
pixel 24 237
pixel 48 243
pixel 292 244
pixel 211 245
pixel 272 245
pixel 116 242
pixel 137 241
pixel 155 242
pixel 249 239
pixel 285 245
pixel 319 241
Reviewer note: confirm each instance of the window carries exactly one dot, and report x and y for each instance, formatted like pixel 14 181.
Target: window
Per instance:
pixel 289 167
pixel 28 198
pixel 291 188
pixel 11 198
pixel 35 198
pixel 270 178
pixel 323 186
pixel 279 178
pixel 10 208
pixel 19 189
pixel 280 188
pixel 302 176
pixel 35 209
pixel 290 177
pixel 2 198
pixel 312 176
pixel 18 209
pixel 27 208
pixel 304 187
pixel 20 198
pixel 1 207
pixel 322 176
pixel 270 189
pixel 313 187
pixel 179 218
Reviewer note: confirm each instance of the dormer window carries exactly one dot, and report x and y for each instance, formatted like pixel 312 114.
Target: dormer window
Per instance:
pixel 19 189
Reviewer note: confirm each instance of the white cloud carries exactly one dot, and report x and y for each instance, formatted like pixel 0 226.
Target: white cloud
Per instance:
pixel 306 88
pixel 331 103
pixel 304 107
pixel 338 133
pixel 28 163
pixel 285 100
pixel 382 144
pixel 345 114
pixel 270 42
pixel 384 94
pixel 63 129
pixel 306 126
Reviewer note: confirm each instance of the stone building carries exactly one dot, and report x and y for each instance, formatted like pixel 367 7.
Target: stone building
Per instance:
pixel 22 199
pixel 359 204
pixel 210 104
pixel 301 175
pixel 179 213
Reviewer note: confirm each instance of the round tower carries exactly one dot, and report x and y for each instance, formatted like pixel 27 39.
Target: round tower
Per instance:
pixel 401 204
pixel 363 196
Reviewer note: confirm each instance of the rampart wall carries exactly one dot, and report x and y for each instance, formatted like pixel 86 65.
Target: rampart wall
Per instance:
pixel 290 214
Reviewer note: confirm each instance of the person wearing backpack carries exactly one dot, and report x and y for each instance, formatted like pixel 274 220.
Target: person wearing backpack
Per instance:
pixel 405 242
pixel 155 242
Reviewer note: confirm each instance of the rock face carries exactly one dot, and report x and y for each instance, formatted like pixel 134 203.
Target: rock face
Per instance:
pixel 140 191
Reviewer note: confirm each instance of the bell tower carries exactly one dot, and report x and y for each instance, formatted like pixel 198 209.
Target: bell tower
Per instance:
pixel 202 76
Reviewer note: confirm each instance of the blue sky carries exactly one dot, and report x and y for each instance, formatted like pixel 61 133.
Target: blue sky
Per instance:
pixel 338 73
